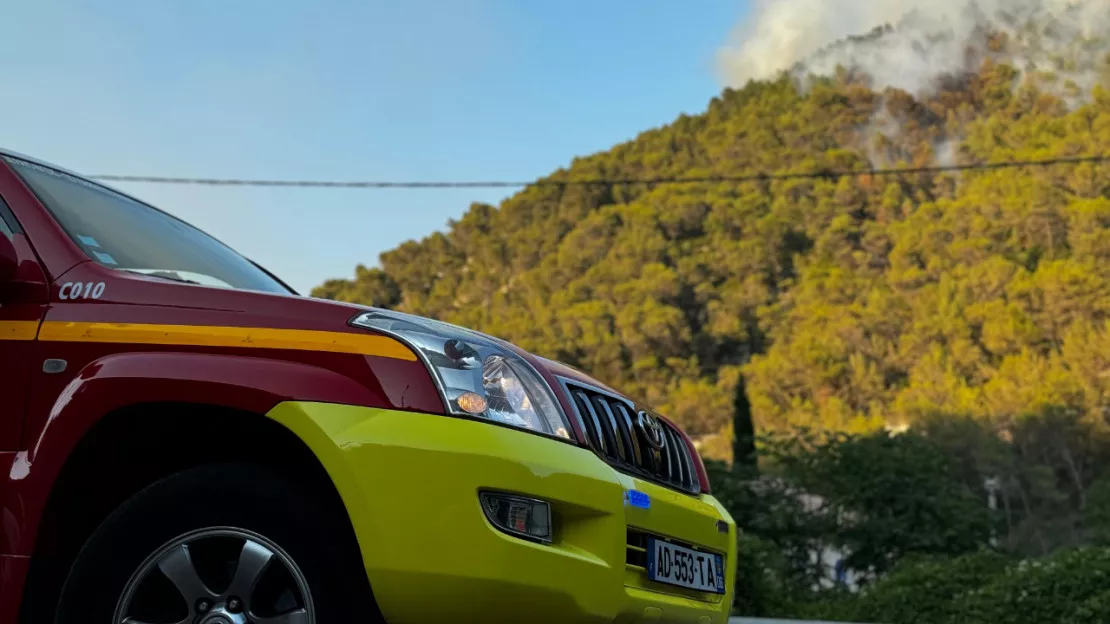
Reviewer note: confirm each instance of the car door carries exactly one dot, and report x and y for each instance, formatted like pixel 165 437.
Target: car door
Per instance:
pixel 22 305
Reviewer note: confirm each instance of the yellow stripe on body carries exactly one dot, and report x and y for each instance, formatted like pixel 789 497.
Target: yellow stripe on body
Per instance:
pixel 236 337
pixel 18 330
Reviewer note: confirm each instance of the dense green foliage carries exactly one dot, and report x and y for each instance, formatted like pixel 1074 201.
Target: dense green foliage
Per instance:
pixel 921 590
pixel 880 499
pixel 904 511
pixel 982 588
pixel 889 497
pixel 846 303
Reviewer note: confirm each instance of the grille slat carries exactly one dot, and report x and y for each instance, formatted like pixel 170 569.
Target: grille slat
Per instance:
pixel 690 471
pixel 673 457
pixel 668 463
pixel 612 427
pixel 633 440
pixel 593 424
pixel 682 459
pixel 619 432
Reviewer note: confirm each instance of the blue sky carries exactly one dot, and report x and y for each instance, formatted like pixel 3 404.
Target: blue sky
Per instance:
pixel 416 90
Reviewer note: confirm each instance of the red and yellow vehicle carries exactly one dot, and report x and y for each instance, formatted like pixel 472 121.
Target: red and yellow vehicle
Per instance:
pixel 186 440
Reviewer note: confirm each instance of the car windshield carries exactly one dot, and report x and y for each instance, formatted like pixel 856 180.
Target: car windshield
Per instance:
pixel 122 233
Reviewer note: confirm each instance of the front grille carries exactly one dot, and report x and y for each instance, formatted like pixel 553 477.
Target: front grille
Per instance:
pixel 637 542
pixel 635 553
pixel 612 426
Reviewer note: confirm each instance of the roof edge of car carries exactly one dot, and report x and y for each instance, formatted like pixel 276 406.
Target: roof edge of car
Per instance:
pixel 49 165
pixel 38 161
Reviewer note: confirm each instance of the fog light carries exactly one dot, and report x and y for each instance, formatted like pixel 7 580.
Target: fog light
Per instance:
pixel 523 517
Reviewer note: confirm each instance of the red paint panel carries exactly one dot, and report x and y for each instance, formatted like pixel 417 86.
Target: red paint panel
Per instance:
pixel 21 301
pixel 15 362
pixel 407 384
pixel 236 377
pixel 13 575
pixel 132 298
pixel 562 370
pixel 244 372
pixel 28 275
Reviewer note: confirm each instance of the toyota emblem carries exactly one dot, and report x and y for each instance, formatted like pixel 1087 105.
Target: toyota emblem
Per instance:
pixel 652 430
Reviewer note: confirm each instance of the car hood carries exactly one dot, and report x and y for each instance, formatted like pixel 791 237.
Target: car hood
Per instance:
pixel 295 311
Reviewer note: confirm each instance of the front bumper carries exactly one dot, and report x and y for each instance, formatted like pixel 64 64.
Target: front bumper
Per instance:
pixel 410 483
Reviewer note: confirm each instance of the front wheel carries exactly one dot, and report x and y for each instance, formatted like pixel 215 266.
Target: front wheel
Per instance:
pixel 219 545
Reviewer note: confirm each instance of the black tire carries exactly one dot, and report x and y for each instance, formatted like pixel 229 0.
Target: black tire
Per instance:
pixel 304 524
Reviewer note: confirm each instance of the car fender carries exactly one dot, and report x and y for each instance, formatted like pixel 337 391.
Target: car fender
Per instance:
pixel 117 381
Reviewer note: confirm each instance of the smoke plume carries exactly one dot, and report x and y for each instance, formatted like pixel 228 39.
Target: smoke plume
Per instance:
pixel 913 43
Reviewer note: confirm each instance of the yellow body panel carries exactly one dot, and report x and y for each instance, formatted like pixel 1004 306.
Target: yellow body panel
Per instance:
pixel 211 336
pixel 410 484
pixel 18 330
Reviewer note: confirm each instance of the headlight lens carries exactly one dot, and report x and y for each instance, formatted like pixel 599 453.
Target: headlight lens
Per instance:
pixel 476 377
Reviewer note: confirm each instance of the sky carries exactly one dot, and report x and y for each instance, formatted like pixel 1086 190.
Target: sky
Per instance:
pixel 338 90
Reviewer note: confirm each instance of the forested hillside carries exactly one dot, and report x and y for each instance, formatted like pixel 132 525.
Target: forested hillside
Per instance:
pixel 842 303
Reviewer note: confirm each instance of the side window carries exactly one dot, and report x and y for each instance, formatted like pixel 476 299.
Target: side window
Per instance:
pixel 8 226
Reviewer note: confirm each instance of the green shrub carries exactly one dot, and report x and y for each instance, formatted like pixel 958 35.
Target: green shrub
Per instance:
pixel 762 588
pixel 770 513
pixel 1070 586
pixel 897 496
pixel 922 590
pixel 984 588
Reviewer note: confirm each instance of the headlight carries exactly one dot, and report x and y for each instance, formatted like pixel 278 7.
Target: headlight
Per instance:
pixel 475 375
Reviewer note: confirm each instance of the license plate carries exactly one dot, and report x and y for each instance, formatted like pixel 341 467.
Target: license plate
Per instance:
pixel 684 567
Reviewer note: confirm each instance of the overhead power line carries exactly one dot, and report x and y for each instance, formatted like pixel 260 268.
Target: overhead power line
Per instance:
pixel 709 179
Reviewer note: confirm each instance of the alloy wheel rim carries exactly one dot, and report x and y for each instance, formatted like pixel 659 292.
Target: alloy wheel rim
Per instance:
pixel 218 575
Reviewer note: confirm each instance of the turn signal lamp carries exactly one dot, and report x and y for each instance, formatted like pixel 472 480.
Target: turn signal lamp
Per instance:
pixel 472 403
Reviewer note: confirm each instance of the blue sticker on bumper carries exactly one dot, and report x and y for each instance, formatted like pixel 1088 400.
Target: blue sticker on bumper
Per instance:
pixel 638 499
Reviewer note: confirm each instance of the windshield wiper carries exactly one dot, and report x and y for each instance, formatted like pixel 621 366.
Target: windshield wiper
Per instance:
pixel 173 277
